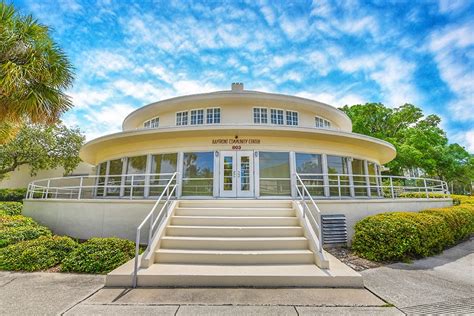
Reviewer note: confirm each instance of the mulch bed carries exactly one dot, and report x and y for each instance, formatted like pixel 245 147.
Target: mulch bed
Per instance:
pixel 350 259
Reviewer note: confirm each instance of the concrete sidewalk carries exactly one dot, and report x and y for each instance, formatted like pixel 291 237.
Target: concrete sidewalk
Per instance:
pixel 439 284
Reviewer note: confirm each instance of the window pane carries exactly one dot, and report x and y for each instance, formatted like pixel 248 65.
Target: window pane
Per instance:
pixel 135 165
pixel 198 174
pixel 114 180
pixel 338 185
pixel 307 165
pixel 182 118
pixel 260 116
pixel 276 116
pixel 291 118
pixel 161 164
pixel 102 170
pixel 358 177
pixel 197 117
pixel 274 173
pixel 213 116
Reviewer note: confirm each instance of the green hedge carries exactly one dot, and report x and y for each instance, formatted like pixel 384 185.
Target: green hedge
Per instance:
pixel 403 235
pixel 99 255
pixel 38 254
pixel 457 199
pixel 12 195
pixel 10 208
pixel 18 228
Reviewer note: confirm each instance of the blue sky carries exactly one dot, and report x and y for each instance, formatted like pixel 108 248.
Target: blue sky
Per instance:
pixel 342 52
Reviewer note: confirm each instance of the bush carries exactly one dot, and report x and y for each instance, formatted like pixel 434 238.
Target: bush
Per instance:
pixel 18 228
pixel 10 208
pixel 460 220
pixel 457 199
pixel 13 195
pixel 405 235
pixel 38 254
pixel 99 255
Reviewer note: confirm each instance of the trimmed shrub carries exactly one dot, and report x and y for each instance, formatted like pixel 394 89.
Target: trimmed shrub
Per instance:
pixel 399 236
pixel 18 228
pixel 38 254
pixel 10 208
pixel 12 195
pixel 99 255
pixel 457 199
pixel 405 235
pixel 460 220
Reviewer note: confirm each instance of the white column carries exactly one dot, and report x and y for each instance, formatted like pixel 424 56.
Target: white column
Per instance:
pixel 146 191
pixel 292 173
pixel 351 178
pixel 325 172
pixel 216 181
pixel 179 169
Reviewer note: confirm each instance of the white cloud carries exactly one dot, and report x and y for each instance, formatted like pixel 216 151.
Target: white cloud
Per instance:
pixel 268 14
pixel 143 91
pixel 321 8
pixel 453 53
pixel 393 75
pixel 84 98
pixel 103 62
pixel 452 6
pixel 296 29
pixel 466 139
pixel 334 99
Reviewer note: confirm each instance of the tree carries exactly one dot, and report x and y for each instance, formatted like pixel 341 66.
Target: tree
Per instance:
pixel 42 147
pixel 420 142
pixel 34 73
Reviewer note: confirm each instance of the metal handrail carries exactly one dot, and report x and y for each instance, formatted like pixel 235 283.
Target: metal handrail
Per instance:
pixel 154 223
pixel 307 211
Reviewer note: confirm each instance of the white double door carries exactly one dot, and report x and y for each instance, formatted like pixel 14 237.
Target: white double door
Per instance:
pixel 236 174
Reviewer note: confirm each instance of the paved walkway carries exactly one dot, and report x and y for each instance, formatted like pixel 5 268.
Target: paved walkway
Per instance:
pixel 441 284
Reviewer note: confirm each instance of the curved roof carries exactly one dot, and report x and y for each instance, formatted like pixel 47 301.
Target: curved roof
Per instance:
pixel 224 98
pixel 94 151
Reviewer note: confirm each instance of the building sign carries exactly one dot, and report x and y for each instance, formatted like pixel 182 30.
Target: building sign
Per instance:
pixel 236 141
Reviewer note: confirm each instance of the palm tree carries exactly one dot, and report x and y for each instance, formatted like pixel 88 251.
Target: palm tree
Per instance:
pixel 34 73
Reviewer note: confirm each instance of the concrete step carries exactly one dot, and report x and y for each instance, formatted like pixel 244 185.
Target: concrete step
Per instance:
pixel 235 231
pixel 196 275
pixel 236 203
pixel 234 221
pixel 233 257
pixel 234 243
pixel 237 211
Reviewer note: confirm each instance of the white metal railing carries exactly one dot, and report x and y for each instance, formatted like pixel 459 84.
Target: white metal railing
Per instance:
pixel 142 186
pixel 124 186
pixel 314 219
pixel 371 186
pixel 154 222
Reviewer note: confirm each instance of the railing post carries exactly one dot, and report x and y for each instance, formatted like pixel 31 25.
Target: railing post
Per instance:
pixel 339 185
pixel 80 188
pixel 47 189
pixel 391 188
pixel 137 251
pixel 426 188
pixel 131 188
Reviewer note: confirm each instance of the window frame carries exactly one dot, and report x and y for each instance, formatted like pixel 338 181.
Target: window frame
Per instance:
pixel 156 119
pixel 283 116
pixel 191 116
pixel 297 117
pixel 181 121
pixel 260 116
pixel 326 123
pixel 213 115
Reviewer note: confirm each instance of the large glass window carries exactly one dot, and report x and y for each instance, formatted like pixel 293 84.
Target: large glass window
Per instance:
pixel 276 116
pixel 163 165
pixel 274 174
pixel 338 176
pixel 182 118
pixel 213 116
pixel 358 177
pixel 260 116
pixel 102 171
pixel 310 169
pixel 197 117
pixel 198 174
pixel 291 118
pixel 114 178
pixel 135 185
pixel 373 179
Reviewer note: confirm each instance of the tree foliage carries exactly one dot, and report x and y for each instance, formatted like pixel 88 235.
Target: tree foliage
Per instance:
pixel 42 147
pixel 34 73
pixel 420 142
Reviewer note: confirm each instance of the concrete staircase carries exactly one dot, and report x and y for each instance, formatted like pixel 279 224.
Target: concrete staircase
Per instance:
pixel 235 243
